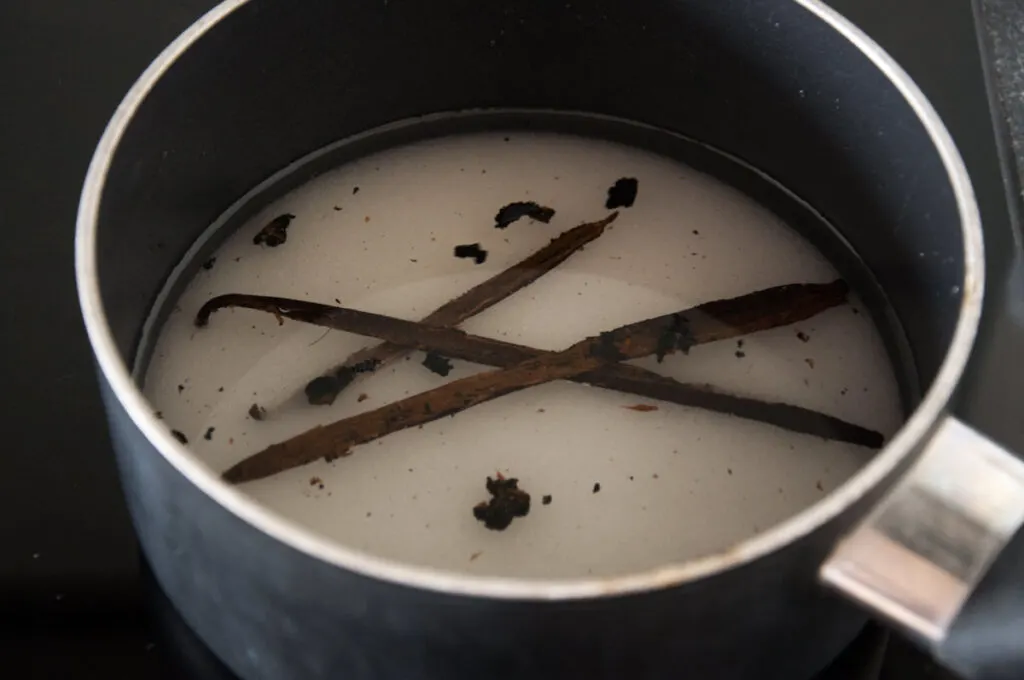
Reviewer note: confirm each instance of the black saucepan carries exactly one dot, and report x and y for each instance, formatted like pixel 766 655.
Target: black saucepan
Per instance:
pixel 772 96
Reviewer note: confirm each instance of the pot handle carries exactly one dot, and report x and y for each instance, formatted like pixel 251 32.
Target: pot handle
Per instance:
pixel 940 556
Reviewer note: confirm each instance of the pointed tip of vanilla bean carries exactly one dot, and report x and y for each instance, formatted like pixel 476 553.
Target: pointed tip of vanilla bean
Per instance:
pixel 215 304
pixel 869 438
pixel 277 458
pixel 229 476
pixel 203 316
pixel 237 475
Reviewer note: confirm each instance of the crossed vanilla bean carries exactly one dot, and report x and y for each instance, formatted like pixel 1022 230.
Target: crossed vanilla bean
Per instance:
pixel 618 377
pixel 583 361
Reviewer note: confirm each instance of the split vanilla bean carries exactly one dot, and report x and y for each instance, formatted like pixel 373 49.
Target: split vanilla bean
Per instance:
pixel 325 389
pixel 709 322
pixel 457 344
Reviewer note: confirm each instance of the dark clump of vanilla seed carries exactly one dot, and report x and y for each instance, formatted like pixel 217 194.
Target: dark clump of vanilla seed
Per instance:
pixel 622 194
pixel 438 364
pixel 471 251
pixel 520 209
pixel 507 502
pixel 275 233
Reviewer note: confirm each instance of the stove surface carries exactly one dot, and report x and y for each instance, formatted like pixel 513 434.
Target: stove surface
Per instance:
pixel 74 593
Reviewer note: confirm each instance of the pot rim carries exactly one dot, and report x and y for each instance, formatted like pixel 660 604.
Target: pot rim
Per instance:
pixel 917 427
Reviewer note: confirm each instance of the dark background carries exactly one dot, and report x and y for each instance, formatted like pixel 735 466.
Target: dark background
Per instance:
pixel 69 569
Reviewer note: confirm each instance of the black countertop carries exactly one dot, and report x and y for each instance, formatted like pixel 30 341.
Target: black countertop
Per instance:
pixel 1002 29
pixel 72 593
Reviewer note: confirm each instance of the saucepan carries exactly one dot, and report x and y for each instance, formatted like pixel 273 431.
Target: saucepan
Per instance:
pixel 782 100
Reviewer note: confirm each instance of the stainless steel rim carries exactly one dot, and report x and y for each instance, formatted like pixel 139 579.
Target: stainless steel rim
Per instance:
pixel 917 427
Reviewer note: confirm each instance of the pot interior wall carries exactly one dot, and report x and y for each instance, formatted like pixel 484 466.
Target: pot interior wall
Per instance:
pixel 763 80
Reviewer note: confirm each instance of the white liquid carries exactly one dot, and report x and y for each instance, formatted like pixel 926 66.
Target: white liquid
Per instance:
pixel 676 483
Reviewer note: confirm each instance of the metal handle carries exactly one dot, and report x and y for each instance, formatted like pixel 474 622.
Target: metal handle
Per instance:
pixel 919 555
